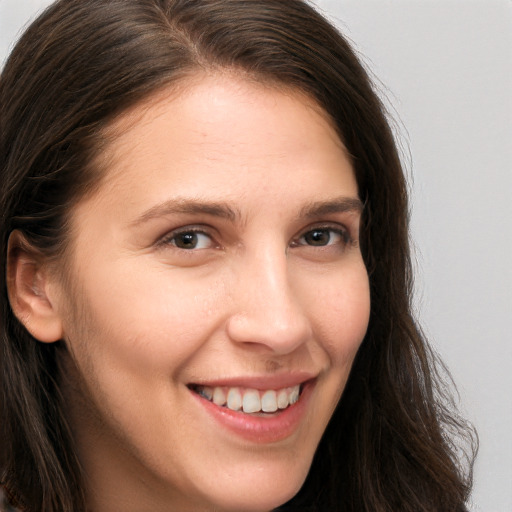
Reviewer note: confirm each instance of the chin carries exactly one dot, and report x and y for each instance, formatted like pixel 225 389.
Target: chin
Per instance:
pixel 256 499
pixel 260 489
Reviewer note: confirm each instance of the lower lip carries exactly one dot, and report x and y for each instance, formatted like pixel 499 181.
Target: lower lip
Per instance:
pixel 261 429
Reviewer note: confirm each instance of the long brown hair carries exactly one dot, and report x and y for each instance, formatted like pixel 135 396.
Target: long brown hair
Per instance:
pixel 393 442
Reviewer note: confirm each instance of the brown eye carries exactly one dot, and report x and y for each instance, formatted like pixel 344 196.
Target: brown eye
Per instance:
pixel 318 237
pixel 324 236
pixel 190 240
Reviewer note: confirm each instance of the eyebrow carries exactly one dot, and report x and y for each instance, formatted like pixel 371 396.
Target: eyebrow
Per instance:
pixel 337 205
pixel 223 210
pixel 188 207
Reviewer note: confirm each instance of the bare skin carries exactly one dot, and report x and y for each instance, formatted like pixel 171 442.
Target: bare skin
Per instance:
pixel 221 250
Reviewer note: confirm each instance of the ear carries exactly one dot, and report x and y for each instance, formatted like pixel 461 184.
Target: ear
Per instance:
pixel 29 285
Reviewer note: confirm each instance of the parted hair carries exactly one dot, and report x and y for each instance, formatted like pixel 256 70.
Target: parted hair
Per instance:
pixel 395 442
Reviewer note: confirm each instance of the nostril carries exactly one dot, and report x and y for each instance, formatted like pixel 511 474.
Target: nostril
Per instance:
pixel 278 334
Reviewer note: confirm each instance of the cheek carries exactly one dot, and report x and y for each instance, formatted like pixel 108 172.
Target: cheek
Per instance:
pixel 144 322
pixel 342 313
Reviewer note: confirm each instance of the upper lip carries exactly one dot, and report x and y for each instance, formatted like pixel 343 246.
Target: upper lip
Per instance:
pixel 260 382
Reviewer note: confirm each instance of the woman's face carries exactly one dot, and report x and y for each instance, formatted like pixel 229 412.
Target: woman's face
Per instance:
pixel 215 300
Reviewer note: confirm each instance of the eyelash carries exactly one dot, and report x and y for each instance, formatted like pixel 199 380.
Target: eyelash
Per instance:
pixel 170 239
pixel 342 232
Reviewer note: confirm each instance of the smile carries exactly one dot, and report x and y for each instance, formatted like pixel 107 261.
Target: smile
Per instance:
pixel 249 400
pixel 259 410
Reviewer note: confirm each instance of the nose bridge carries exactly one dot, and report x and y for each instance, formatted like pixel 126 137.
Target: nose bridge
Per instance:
pixel 267 308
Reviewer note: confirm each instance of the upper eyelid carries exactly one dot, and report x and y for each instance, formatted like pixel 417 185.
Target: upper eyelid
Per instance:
pixel 198 228
pixel 341 230
pixel 212 232
pixel 334 226
pixel 193 228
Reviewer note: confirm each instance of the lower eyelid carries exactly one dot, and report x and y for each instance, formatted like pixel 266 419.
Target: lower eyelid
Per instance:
pixel 170 238
pixel 344 234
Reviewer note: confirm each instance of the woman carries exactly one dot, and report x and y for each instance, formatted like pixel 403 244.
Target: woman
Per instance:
pixel 207 294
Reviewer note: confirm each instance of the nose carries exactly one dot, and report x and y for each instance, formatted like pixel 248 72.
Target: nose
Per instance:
pixel 268 311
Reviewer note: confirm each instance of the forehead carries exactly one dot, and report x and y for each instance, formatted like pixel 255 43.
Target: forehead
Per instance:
pixel 215 109
pixel 223 137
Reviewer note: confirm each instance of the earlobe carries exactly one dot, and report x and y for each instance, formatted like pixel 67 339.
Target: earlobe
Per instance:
pixel 28 286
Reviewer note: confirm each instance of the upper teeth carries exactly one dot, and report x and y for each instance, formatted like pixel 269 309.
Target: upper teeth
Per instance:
pixel 250 400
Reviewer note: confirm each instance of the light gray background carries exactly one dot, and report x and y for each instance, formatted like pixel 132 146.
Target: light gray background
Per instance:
pixel 445 67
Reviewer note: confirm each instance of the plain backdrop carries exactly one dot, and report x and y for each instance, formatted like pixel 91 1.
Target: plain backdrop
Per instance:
pixel 444 68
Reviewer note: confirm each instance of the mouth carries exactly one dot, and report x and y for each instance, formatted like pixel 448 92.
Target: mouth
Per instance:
pixel 252 401
pixel 258 409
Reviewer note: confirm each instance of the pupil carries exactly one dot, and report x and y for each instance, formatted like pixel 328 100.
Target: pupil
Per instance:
pixel 318 237
pixel 186 240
